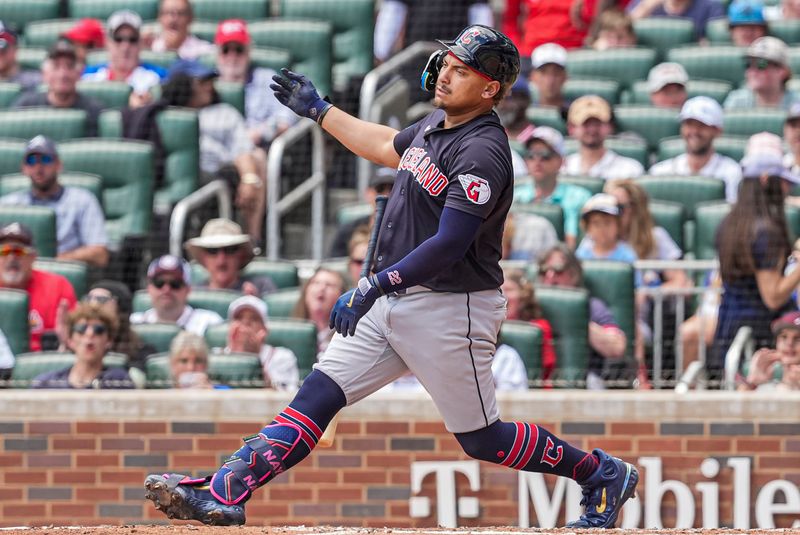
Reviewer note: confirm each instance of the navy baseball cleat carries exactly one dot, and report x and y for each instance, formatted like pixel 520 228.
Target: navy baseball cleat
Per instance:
pixel 184 498
pixel 605 491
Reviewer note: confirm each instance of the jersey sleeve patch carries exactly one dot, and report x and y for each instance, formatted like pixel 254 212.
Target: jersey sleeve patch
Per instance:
pixel 476 188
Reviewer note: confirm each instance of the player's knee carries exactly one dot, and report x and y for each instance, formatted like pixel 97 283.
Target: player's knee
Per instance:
pixel 481 444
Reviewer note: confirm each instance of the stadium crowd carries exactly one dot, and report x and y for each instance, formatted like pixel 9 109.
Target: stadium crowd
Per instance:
pixel 627 147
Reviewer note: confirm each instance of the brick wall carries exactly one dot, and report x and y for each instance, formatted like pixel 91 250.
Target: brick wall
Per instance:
pixel 80 458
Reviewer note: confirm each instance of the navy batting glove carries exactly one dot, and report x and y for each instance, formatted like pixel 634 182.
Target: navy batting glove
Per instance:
pixel 352 305
pixel 297 93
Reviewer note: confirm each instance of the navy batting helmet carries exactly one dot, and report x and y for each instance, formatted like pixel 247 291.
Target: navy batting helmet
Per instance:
pixel 487 51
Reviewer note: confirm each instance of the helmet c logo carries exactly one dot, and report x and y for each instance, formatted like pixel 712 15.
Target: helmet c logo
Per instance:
pixel 466 38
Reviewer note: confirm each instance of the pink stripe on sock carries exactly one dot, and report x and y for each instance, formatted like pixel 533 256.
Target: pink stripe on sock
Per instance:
pixel 531 447
pixel 312 425
pixel 307 439
pixel 515 449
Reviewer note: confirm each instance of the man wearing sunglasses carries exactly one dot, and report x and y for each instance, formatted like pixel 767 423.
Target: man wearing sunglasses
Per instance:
pixel 124 47
pixel 50 296
pixel 766 74
pixel 265 116
pixel 168 285
pixel 80 223
pixel 224 250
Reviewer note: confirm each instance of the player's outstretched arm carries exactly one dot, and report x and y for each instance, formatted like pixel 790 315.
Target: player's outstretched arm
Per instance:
pixel 368 140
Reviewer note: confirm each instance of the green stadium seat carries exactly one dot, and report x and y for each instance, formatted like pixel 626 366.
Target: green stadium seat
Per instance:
pixel 127 171
pixel 716 89
pixel 159 59
pixel 552 212
pixel 180 136
pixel 19 13
pixel 241 370
pixel 281 303
pixel 102 9
pixel 687 191
pixel 267 57
pixel 787 30
pixel 663 33
pixel 283 274
pixel 76 272
pixel 608 89
pixel 214 300
pixel 353 29
pixel 11 152
pixel 612 282
pixel 31 58
pixel 711 62
pixel 708 216
pixel 628 146
pixel 88 181
pixel 40 220
pixel 14 319
pixel 730 146
pixel 527 339
pixel 718 31
pixel 651 123
pixel 567 310
pixel 623 65
pixel 547 116
pixel 671 216
pixel 593 184
pixel 349 212
pixel 158 335
pixel 792 220
pixel 28 365
pixel 794 64
pixel 309 42
pixel 57 124
pixel 43 33
pixel 9 92
pixel 111 94
pixel 232 93
pixel 204 29
pixel 214 10
pixel 749 121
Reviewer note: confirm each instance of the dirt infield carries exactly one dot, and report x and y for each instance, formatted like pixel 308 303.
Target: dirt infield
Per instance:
pixel 188 529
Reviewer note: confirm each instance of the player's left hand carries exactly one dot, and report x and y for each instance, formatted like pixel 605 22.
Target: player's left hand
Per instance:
pixel 297 93
pixel 352 305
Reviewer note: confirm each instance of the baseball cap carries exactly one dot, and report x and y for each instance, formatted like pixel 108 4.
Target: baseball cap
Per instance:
pixel 769 48
pixel 794 112
pixel 790 320
pixel 41 145
pixel 588 107
pixel 249 301
pixel 16 232
pixel 232 30
pixel 703 109
pixel 601 202
pixel 87 32
pixel 549 53
pixel 763 144
pixel 192 68
pixel 550 137
pixel 8 37
pixel 384 176
pixel 665 74
pixel 123 17
pixel 757 165
pixel 170 264
pixel 62 48
pixel 746 12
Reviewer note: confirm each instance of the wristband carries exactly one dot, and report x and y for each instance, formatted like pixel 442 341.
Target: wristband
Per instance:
pixel 324 112
pixel 251 179
pixel 373 279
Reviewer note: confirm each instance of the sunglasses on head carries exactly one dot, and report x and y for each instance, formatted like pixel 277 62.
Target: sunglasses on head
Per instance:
pixel 33 159
pixel 759 64
pixel 545 155
pixel 82 328
pixel 556 269
pixel 174 284
pixel 230 250
pixel 132 39
pixel 14 250
pixel 231 48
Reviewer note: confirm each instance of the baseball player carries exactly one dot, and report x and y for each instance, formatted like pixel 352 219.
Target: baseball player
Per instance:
pixel 433 305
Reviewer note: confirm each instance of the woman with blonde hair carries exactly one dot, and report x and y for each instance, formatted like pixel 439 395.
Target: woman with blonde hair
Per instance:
pixel 316 301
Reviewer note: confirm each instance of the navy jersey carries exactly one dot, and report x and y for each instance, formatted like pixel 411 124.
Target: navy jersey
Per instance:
pixel 467 168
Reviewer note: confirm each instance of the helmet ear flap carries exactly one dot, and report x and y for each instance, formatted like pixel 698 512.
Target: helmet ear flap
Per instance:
pixel 431 71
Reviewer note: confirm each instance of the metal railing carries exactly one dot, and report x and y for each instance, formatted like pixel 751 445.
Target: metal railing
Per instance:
pixel 314 186
pixel 369 90
pixel 217 189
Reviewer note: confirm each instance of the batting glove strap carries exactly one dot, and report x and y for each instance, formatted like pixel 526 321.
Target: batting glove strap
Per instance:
pixel 373 280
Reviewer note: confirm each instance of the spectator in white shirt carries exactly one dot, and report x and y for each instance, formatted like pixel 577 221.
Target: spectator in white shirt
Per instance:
pixel 589 121
pixel 168 285
pixel 791 135
pixel 174 18
pixel 701 123
pixel 248 331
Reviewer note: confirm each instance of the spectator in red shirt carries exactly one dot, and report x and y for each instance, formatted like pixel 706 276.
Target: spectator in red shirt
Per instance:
pixel 50 296
pixel 530 23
